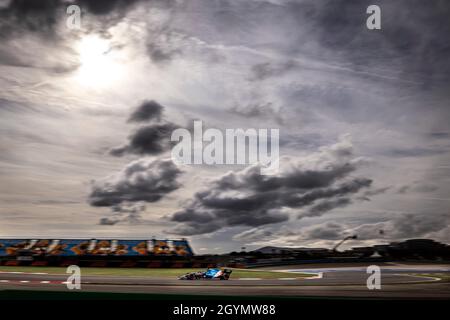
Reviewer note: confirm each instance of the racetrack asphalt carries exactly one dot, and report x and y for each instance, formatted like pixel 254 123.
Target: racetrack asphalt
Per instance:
pixel 397 281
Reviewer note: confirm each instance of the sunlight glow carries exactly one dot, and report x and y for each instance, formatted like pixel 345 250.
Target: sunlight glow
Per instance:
pixel 99 63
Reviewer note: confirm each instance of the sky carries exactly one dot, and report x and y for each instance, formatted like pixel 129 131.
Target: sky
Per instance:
pixel 364 119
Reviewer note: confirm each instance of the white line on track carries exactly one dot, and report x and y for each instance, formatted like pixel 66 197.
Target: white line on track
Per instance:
pixel 287 278
pixel 4 280
pixel 431 278
pixel 45 281
pixel 24 281
pixel 315 275
pixel 250 279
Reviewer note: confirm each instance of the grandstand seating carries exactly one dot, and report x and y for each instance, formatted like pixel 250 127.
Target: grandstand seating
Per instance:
pixel 94 247
pixel 9 247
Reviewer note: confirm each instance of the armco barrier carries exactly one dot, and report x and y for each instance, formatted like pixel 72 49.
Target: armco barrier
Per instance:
pixel 128 264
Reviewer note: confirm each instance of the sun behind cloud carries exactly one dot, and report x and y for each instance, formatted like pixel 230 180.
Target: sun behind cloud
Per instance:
pixel 100 64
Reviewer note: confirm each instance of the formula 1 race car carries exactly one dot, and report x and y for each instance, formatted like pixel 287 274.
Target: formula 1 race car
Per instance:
pixel 211 274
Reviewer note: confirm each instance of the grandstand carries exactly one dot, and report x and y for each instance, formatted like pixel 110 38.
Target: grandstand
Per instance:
pixel 98 252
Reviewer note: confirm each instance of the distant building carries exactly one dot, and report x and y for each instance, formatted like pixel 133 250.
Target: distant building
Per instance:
pixel 409 249
pixel 293 251
pixel 419 248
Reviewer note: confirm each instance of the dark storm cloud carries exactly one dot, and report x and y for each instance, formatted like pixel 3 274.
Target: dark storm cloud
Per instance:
pixel 247 198
pixel 42 16
pixel 46 19
pixel 413 225
pixel 34 33
pixel 412 44
pixel 103 7
pixel 147 140
pixel 30 15
pixel 147 111
pixel 141 180
pixel 413 38
pixel 401 226
pixel 348 187
pixel 327 205
pixel 151 139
